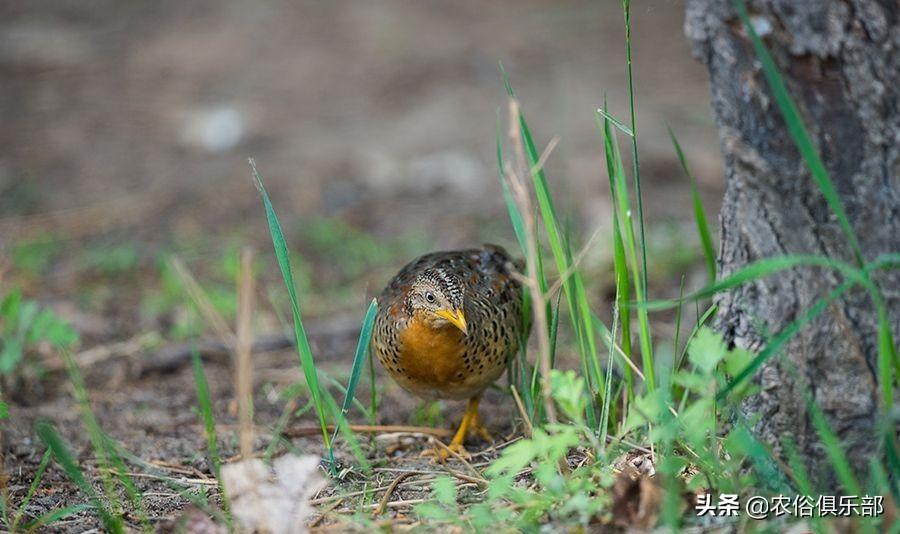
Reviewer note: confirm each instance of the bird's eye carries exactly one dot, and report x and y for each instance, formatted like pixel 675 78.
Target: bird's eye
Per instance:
pixel 429 296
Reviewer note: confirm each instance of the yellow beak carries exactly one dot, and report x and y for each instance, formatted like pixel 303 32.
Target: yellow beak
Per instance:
pixel 456 318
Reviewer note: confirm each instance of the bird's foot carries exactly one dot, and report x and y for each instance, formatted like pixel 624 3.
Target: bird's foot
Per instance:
pixel 440 453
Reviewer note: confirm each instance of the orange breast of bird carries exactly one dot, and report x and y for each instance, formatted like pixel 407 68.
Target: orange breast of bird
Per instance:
pixel 432 358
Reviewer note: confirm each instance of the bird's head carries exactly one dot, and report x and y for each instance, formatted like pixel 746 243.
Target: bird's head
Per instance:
pixel 437 297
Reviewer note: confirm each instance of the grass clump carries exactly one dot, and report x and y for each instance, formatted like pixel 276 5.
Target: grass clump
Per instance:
pixel 24 324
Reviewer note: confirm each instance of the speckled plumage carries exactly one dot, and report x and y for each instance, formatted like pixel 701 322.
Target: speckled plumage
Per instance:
pixel 441 361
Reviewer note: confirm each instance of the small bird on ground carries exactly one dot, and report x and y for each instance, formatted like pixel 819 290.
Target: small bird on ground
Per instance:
pixel 448 324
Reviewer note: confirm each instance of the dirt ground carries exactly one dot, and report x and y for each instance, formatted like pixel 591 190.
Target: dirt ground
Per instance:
pixel 126 126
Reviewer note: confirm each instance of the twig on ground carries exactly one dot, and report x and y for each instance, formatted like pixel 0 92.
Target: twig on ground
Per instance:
pixel 325 512
pixel 382 506
pixel 522 198
pixel 458 457
pixel 424 430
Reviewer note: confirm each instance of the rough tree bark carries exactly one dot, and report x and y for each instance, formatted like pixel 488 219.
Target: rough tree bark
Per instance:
pixel 841 63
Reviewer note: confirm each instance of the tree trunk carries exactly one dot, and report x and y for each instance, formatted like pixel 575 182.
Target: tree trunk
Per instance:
pixel 841 63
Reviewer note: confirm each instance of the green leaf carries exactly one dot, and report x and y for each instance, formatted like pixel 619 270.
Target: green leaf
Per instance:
pixel 9 307
pixel 692 381
pixel 569 393
pixel 10 355
pixel 765 267
pixel 444 490
pixel 736 360
pixel 698 421
pixel 4 411
pixel 706 350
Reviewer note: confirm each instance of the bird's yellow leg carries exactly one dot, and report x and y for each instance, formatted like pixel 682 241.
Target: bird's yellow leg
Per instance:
pixel 475 426
pixel 470 416
pixel 456 444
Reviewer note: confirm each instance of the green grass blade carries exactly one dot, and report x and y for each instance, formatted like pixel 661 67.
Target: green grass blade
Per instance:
pixel 623 284
pixel 676 343
pixel 307 364
pixel 607 396
pixel 615 122
pixel 887 354
pixel 622 212
pixel 131 490
pixel 64 457
pixel 765 267
pixel 573 286
pixel 209 424
pixel 56 515
pixel 709 251
pixel 36 481
pixel 890 260
pixel 373 403
pixel 349 438
pixel 798 131
pixel 362 349
pixel 635 160
pixel 545 200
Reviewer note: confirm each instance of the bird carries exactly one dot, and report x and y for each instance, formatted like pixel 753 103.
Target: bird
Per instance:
pixel 447 326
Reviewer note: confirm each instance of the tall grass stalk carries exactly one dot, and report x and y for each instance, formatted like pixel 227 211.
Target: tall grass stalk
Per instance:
pixel 323 401
pixel 623 213
pixel 522 199
pixel 635 160
pixel 573 285
pixel 307 364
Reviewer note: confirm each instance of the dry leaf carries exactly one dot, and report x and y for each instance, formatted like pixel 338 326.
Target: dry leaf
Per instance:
pixel 636 498
pixel 272 502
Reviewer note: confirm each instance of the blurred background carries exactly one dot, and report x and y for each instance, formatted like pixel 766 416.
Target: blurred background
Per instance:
pixel 125 129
